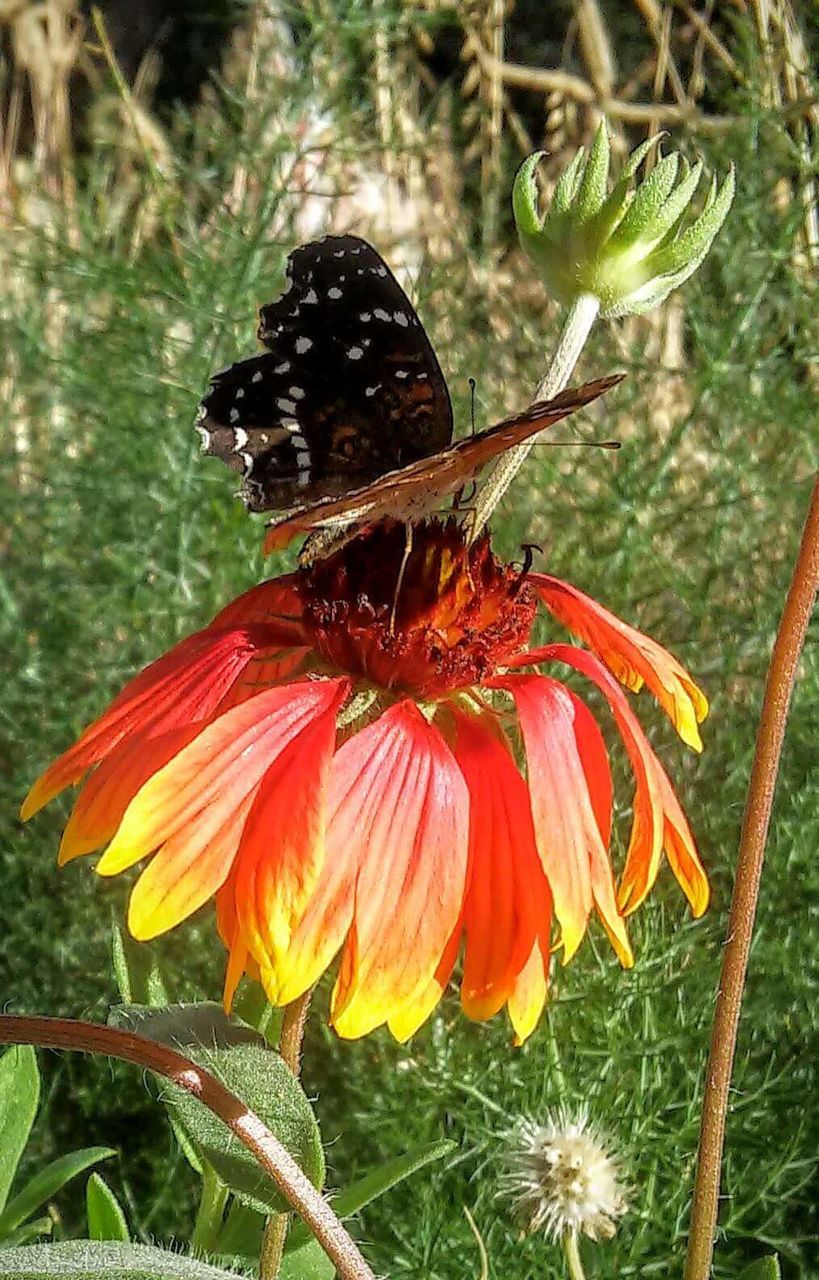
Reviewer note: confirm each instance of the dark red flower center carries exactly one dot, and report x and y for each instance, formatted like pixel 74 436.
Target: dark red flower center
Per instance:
pixel 424 617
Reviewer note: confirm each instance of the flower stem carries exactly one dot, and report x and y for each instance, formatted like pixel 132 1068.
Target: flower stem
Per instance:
pixel 209 1214
pixel 572 1251
pixel 582 315
pixel 295 1186
pixel 290 1042
pixel 778 689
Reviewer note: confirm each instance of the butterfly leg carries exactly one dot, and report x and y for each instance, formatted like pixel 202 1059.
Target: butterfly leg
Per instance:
pixel 404 559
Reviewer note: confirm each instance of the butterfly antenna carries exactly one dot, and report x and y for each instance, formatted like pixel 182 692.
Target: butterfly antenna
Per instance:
pixel 576 444
pixel 472 385
pixel 399 580
pixel 528 549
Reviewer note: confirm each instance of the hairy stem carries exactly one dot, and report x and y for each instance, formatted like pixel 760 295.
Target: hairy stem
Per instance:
pixel 579 321
pixel 295 1186
pixel 290 1042
pixel 212 1203
pixel 572 1251
pixel 778 689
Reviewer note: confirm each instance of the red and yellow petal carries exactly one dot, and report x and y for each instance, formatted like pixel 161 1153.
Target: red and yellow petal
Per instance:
pixel 283 844
pixel 181 688
pixel 659 822
pixel 527 997
pixel 567 766
pixel 633 657
pixel 508 903
pixel 275 603
pixel 399 812
pixel 113 785
pixel 193 809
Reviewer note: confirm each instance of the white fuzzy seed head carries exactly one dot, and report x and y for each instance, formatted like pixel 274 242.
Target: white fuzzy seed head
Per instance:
pixel 563 1179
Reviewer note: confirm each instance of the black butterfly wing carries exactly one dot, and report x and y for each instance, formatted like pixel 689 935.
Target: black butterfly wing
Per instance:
pixel 350 389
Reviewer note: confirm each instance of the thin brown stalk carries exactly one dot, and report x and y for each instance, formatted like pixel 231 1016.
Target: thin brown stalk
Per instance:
pixel 295 1186
pixel 778 689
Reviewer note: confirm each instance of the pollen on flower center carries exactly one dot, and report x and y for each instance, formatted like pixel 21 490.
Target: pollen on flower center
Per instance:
pixel 426 620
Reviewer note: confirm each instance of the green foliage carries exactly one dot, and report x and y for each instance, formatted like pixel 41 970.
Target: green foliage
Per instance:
pixel 763 1269
pixel 106 1218
pixel 19 1097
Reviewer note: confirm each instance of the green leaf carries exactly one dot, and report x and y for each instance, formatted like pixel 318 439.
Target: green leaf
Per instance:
pixel 260 1078
pixel 763 1269
pixel 647 204
pixel 47 1183
pixel 137 974
pixel 524 197
pixel 29 1231
pixel 308 1263
pixel 106 1220
pixel 241 1236
pixel 375 1183
pixel 592 191
pixel 19 1096
pixel 103 1260
pixel 203 1025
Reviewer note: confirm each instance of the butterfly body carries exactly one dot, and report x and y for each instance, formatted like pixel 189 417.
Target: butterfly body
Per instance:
pixel 346 418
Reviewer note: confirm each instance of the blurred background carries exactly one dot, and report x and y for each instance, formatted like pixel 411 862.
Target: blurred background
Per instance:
pixel 155 170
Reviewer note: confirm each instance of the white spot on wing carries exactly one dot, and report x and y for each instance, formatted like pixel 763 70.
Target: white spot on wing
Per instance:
pixel 366 316
pixel 302 345
pixel 381 314
pixel 240 393
pixel 355 353
pixel 370 391
pixel 311 296
pixel 234 415
pixel 298 393
pixel 401 373
pixel 257 377
pixel 283 367
pixel 286 406
pixel 334 293
pixel 240 438
pixel 400 318
pixel 204 435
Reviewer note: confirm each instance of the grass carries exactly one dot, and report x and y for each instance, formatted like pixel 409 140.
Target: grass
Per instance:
pixel 118 539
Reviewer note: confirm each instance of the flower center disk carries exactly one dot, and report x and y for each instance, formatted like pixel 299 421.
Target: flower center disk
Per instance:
pixel 425 619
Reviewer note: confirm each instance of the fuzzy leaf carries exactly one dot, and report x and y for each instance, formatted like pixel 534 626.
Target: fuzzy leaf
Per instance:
pixel 647 204
pixel 19 1096
pixel 524 196
pixel 106 1220
pixel 592 190
pixel 261 1079
pixel 103 1260
pixel 203 1025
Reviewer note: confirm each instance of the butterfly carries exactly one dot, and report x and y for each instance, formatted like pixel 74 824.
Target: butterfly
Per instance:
pixel 346 418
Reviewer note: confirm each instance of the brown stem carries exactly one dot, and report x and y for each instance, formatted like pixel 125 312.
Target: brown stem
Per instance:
pixel 295 1186
pixel 292 1033
pixel 290 1041
pixel 778 689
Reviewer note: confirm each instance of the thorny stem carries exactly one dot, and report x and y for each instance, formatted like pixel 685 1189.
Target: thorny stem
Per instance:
pixel 290 1042
pixel 295 1186
pixel 582 315
pixel 778 689
pixel 572 1251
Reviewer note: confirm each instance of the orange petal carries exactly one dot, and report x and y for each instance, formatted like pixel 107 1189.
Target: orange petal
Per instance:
pixel 211 777
pixel 113 785
pixel 283 845
pixel 659 821
pixel 632 656
pixel 559 738
pixel 181 688
pixel 508 901
pixel 196 859
pixel 399 802
pixel 406 1021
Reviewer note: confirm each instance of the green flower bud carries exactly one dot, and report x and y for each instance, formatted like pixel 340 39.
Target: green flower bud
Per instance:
pixel 629 248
